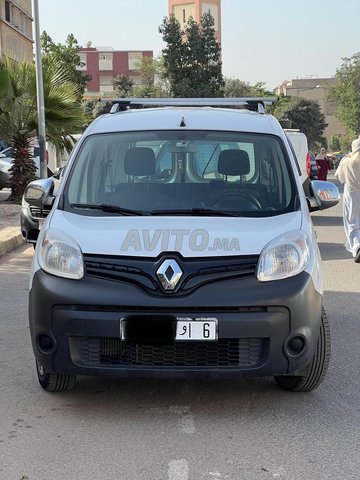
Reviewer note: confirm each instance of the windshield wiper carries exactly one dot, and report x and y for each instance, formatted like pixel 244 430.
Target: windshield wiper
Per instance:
pixel 197 212
pixel 105 207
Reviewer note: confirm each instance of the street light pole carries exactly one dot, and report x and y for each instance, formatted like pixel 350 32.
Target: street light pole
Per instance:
pixel 40 93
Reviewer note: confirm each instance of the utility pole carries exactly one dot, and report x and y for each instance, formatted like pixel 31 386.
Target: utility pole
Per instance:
pixel 40 92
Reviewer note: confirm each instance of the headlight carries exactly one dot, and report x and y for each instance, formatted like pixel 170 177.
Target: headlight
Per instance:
pixel 60 255
pixel 284 257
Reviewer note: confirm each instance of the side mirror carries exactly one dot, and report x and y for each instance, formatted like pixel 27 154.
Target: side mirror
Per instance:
pixel 57 172
pixel 326 194
pixel 39 193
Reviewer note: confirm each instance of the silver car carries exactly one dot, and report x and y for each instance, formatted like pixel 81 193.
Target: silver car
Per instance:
pixel 6 157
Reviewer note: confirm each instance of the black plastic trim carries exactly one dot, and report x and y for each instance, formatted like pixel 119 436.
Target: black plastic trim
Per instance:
pixel 244 307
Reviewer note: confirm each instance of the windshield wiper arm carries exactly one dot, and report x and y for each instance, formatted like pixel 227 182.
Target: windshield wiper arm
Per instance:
pixel 197 212
pixel 105 207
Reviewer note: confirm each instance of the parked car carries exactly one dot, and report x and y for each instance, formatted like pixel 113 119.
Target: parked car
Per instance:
pixel 6 158
pixel 7 153
pixel 332 161
pixel 32 217
pixel 179 244
pixel 338 157
pixel 312 166
pixel 5 165
pixel 306 162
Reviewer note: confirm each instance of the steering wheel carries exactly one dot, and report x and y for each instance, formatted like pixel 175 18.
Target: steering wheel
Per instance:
pixel 245 201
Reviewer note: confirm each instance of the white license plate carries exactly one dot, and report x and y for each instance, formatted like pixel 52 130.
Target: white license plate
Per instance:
pixel 196 329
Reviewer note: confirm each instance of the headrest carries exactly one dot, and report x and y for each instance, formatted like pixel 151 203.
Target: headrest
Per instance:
pixel 233 162
pixel 140 161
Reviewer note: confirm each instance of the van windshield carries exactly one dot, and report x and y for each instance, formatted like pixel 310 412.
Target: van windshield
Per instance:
pixel 187 172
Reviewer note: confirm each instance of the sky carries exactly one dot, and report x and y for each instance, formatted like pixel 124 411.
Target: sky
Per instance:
pixel 262 40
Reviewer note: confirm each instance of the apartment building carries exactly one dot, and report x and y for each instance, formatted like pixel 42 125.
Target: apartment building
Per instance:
pixel 16 38
pixel 184 9
pixel 314 89
pixel 105 63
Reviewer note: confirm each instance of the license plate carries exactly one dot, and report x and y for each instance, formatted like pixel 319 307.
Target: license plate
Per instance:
pixel 196 329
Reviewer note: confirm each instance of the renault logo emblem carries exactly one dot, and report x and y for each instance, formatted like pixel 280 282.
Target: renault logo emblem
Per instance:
pixel 169 274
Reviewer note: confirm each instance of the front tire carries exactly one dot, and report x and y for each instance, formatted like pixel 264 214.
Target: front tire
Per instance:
pixel 54 382
pixel 314 373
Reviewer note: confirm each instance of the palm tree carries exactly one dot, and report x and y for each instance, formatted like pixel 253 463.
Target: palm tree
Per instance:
pixel 18 115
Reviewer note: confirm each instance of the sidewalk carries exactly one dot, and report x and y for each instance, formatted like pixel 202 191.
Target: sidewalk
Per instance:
pixel 10 234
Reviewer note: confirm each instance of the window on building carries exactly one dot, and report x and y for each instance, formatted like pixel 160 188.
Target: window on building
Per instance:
pixel 7 11
pixel 184 11
pixel 134 60
pixel 105 61
pixel 83 61
pixel 106 83
pixel 16 15
pixel 213 9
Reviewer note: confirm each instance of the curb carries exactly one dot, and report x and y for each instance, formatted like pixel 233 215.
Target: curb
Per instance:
pixel 13 241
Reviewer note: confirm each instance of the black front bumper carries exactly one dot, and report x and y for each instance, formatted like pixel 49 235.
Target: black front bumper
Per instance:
pixel 256 321
pixel 31 219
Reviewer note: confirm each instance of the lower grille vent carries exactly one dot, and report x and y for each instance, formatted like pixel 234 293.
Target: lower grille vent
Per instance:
pixel 112 352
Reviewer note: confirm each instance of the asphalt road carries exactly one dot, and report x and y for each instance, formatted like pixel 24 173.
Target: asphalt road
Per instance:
pixel 183 430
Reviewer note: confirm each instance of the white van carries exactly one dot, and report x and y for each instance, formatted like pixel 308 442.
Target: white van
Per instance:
pixel 306 161
pixel 179 244
pixel 58 158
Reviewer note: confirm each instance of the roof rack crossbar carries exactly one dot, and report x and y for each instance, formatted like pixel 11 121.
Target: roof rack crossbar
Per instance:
pixel 251 103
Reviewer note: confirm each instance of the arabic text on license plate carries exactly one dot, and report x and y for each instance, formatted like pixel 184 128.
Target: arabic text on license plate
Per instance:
pixel 196 329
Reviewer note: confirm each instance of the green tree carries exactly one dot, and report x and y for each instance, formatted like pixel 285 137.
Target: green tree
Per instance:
pixel 68 56
pixel 123 86
pixel 192 57
pixel 18 114
pixel 346 94
pixel 153 78
pixel 88 107
pixel 174 54
pixel 100 108
pixel 334 143
pixel 234 87
pixel 94 108
pixel 305 115
pixel 345 143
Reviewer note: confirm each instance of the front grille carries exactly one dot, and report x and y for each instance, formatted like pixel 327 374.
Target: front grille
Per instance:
pixel 37 212
pixel 142 271
pixel 112 352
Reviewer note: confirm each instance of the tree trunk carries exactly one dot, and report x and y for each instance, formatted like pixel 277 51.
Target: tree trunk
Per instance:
pixel 23 167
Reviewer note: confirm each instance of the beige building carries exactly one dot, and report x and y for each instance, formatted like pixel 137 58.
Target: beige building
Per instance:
pixel 314 89
pixel 16 39
pixel 184 9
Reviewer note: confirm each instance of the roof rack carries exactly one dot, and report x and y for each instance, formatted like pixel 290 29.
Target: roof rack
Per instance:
pixel 256 104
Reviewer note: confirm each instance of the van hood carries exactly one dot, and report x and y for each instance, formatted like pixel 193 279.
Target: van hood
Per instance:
pixel 190 236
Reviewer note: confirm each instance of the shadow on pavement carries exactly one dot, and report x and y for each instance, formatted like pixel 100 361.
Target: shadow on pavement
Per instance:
pixel 327 221
pixel 334 251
